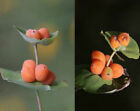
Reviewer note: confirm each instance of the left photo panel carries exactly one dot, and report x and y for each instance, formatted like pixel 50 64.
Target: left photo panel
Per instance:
pixel 37 66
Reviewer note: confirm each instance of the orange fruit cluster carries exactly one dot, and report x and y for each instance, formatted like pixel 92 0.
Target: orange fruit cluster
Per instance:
pixel 42 33
pixel 98 66
pixel 31 72
pixel 122 39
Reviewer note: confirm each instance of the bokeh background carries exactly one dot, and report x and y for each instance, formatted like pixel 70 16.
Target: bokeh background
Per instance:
pixel 59 56
pixel 92 16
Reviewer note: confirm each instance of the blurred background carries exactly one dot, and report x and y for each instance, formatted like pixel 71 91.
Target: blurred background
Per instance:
pixel 59 56
pixel 92 16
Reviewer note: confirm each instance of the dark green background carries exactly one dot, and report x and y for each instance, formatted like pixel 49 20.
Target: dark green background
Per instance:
pixel 92 16
pixel 53 14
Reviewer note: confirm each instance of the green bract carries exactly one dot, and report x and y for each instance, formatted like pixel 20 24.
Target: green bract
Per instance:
pixel 15 77
pixel 95 84
pixel 47 41
pixel 131 51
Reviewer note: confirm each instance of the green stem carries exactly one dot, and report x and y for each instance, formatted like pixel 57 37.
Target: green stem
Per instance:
pixel 111 57
pixel 37 92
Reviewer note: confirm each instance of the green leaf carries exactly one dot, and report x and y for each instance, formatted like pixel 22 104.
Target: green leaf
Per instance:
pixel 131 51
pixel 89 81
pixel 47 41
pixel 15 77
pixel 95 84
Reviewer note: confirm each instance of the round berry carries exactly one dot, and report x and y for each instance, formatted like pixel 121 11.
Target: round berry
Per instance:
pixel 50 79
pixel 114 42
pixel 97 66
pixel 98 55
pixel 33 34
pixel 44 33
pixel 124 39
pixel 28 71
pixel 41 72
pixel 117 70
pixel 107 73
pixel 29 64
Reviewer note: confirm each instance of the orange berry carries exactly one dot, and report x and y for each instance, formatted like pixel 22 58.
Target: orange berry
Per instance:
pixel 124 39
pixel 28 74
pixel 33 34
pixel 107 73
pixel 41 72
pixel 114 42
pixel 97 66
pixel 107 58
pixel 44 33
pixel 50 79
pixel 117 70
pixel 28 71
pixel 29 64
pixel 98 55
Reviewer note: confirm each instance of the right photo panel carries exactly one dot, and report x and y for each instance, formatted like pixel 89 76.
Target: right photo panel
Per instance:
pixel 107 55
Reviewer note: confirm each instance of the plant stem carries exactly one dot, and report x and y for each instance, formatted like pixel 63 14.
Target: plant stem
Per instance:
pixel 36 55
pixel 111 57
pixel 38 100
pixel 37 92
